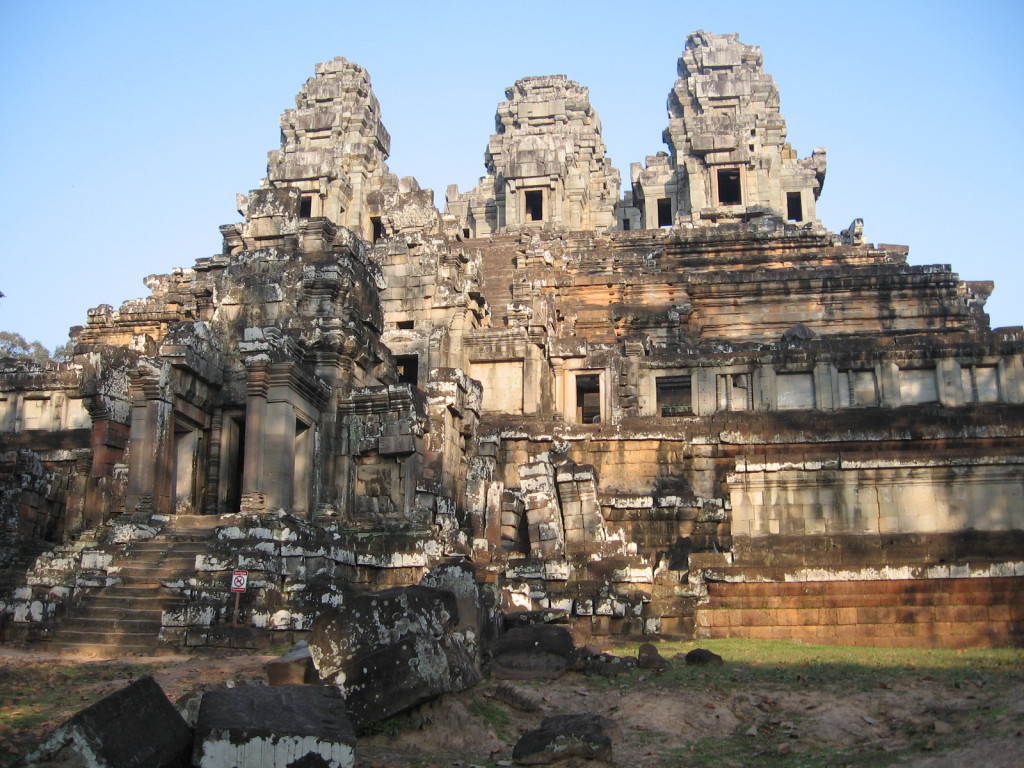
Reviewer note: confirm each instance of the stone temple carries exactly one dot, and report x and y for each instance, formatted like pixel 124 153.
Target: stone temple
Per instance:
pixel 684 408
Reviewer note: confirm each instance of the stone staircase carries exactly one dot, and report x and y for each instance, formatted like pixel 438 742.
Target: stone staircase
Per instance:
pixel 125 619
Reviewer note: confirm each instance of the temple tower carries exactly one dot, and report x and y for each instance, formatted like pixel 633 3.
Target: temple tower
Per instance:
pixel 728 157
pixel 331 160
pixel 546 164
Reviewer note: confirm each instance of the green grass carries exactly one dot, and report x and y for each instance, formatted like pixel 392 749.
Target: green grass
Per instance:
pixel 798 665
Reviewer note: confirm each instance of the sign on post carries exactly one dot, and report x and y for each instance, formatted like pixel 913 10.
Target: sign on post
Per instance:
pixel 239 580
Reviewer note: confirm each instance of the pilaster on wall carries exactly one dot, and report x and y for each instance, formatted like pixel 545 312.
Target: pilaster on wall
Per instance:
pixel 283 407
pixel 151 459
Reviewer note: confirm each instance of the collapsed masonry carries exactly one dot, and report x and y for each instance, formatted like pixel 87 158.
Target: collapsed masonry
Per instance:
pixel 688 410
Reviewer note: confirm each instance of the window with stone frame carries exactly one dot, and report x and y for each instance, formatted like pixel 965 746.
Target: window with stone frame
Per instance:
pixel 588 399
pixel 408 367
pixel 664 212
pixel 730 190
pixel 674 395
pixel 735 392
pixel 980 383
pixel 858 389
pixel 918 386
pixel 533 204
pixel 35 413
pixel 794 391
pixel 794 207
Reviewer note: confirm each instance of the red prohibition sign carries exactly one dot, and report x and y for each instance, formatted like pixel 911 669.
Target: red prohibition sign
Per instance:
pixel 239 580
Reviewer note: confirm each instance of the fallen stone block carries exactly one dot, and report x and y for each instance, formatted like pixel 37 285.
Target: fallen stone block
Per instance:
pixel 649 658
pixel 702 657
pixel 136 727
pixel 562 737
pixel 392 650
pixel 535 651
pixel 283 726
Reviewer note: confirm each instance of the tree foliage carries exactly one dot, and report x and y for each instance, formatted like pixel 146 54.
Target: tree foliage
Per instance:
pixel 15 345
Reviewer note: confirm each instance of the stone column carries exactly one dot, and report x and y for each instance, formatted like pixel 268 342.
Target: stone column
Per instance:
pixel 889 385
pixel 151 458
pixel 533 370
pixel 255 418
pixel 558 371
pixel 279 457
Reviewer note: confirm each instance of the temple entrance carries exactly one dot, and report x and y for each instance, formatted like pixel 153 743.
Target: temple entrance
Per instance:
pixel 232 462
pixel 189 452
pixel 302 472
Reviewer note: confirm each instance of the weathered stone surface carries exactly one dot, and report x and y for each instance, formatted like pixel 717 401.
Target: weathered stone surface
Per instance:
pixel 391 650
pixel 136 727
pixel 536 651
pixel 649 658
pixel 529 618
pixel 274 727
pixel 564 737
pixel 608 664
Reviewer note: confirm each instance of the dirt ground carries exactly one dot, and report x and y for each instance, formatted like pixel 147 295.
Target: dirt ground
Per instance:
pixel 722 716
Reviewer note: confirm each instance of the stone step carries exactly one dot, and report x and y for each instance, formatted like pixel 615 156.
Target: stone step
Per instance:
pixel 192 523
pixel 147 574
pixel 150 624
pixel 125 619
pixel 123 606
pixel 163 546
pixel 135 589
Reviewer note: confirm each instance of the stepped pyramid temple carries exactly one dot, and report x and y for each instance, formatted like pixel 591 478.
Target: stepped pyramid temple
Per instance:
pixel 683 408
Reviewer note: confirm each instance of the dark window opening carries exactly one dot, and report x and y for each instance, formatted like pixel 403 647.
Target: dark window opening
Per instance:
pixel 465 232
pixel 588 399
pixel 305 206
pixel 534 205
pixel 729 192
pixel 405 325
pixel 675 395
pixel 302 469
pixel 232 464
pixel 794 207
pixel 378 228
pixel 408 367
pixel 664 212
pixel 522 543
pixel 625 225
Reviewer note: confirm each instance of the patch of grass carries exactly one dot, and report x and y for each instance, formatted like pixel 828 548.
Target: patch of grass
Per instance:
pixel 34 698
pixel 799 665
pixel 492 714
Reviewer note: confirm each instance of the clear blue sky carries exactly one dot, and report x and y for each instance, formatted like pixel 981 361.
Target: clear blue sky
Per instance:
pixel 128 127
